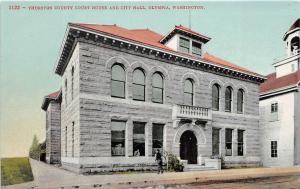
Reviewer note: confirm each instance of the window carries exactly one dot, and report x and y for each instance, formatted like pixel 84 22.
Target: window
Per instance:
pixel 73 123
pixel 273 149
pixel 228 99
pixel 215 141
pixel 215 97
pixel 118 81
pixel 228 142
pixel 118 138
pixel 138 85
pixel 196 48
pixel 274 112
pixel 295 44
pixel 66 90
pixel 274 107
pixel 240 101
pixel 157 137
pixel 66 141
pixel 184 45
pixel 188 92
pixel 293 67
pixel 72 83
pixel 157 88
pixel 240 150
pixel 138 139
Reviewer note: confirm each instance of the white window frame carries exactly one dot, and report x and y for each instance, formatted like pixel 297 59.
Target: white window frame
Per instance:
pixel 274 114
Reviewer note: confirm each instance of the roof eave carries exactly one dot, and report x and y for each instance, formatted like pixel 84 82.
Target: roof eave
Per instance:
pixel 289 32
pixel 77 27
pixel 164 39
pixel 278 90
pixel 61 49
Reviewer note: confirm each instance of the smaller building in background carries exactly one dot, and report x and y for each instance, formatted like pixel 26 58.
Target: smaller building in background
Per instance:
pixel 51 105
pixel 280 106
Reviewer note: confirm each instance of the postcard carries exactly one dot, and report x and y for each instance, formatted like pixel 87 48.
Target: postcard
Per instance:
pixel 150 94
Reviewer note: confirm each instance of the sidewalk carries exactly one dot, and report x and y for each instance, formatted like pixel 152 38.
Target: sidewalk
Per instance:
pixel 48 176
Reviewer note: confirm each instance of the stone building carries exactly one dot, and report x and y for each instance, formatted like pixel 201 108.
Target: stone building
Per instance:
pixel 51 105
pixel 280 106
pixel 127 92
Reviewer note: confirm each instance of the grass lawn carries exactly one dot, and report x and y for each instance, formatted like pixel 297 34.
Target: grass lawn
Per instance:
pixel 15 171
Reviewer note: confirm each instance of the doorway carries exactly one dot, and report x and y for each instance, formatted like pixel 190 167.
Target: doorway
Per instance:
pixel 188 147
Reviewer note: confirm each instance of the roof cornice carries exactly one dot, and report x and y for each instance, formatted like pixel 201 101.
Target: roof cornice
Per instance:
pixel 75 31
pixel 289 32
pixel 279 91
pixel 186 33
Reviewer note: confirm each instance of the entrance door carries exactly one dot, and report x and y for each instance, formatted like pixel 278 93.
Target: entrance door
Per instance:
pixel 188 147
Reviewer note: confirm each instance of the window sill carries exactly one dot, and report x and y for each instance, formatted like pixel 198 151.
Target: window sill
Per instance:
pixel 158 102
pixel 139 100
pixel 118 97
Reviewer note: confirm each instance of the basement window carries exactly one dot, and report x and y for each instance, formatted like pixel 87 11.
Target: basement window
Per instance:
pixel 274 149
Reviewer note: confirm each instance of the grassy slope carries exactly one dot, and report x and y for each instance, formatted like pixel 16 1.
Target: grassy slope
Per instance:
pixel 15 171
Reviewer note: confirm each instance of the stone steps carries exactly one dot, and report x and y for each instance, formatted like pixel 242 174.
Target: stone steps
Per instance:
pixel 195 167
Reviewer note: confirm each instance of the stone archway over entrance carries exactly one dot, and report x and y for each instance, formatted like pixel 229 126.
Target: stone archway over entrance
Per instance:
pixel 188 147
pixel 183 133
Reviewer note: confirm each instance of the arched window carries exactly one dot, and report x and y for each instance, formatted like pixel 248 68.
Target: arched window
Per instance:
pixel 72 83
pixel 295 44
pixel 138 85
pixel 240 101
pixel 118 81
pixel 188 92
pixel 228 99
pixel 215 97
pixel 157 88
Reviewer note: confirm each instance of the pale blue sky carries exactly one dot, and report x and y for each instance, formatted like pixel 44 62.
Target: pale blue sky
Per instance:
pixel 246 33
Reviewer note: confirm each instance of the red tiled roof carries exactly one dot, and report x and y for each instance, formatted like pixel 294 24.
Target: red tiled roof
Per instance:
pixel 225 63
pixel 53 95
pixel 272 83
pixel 50 97
pixel 140 36
pixel 148 37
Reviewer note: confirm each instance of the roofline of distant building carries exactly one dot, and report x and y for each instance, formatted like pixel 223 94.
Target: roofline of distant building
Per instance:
pixel 47 99
pixel 279 91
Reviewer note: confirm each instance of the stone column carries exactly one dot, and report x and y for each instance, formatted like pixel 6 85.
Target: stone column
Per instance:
pixel 202 153
pixel 222 142
pixel 148 139
pixel 129 138
pixel 128 87
pixel 148 89
pixel 234 142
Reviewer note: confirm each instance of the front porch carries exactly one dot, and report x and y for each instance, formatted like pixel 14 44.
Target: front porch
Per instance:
pixel 192 139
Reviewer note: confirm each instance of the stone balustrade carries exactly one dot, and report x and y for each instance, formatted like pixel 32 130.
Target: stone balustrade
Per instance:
pixel 193 112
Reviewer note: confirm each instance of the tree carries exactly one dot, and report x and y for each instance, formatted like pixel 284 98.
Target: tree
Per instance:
pixel 35 149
